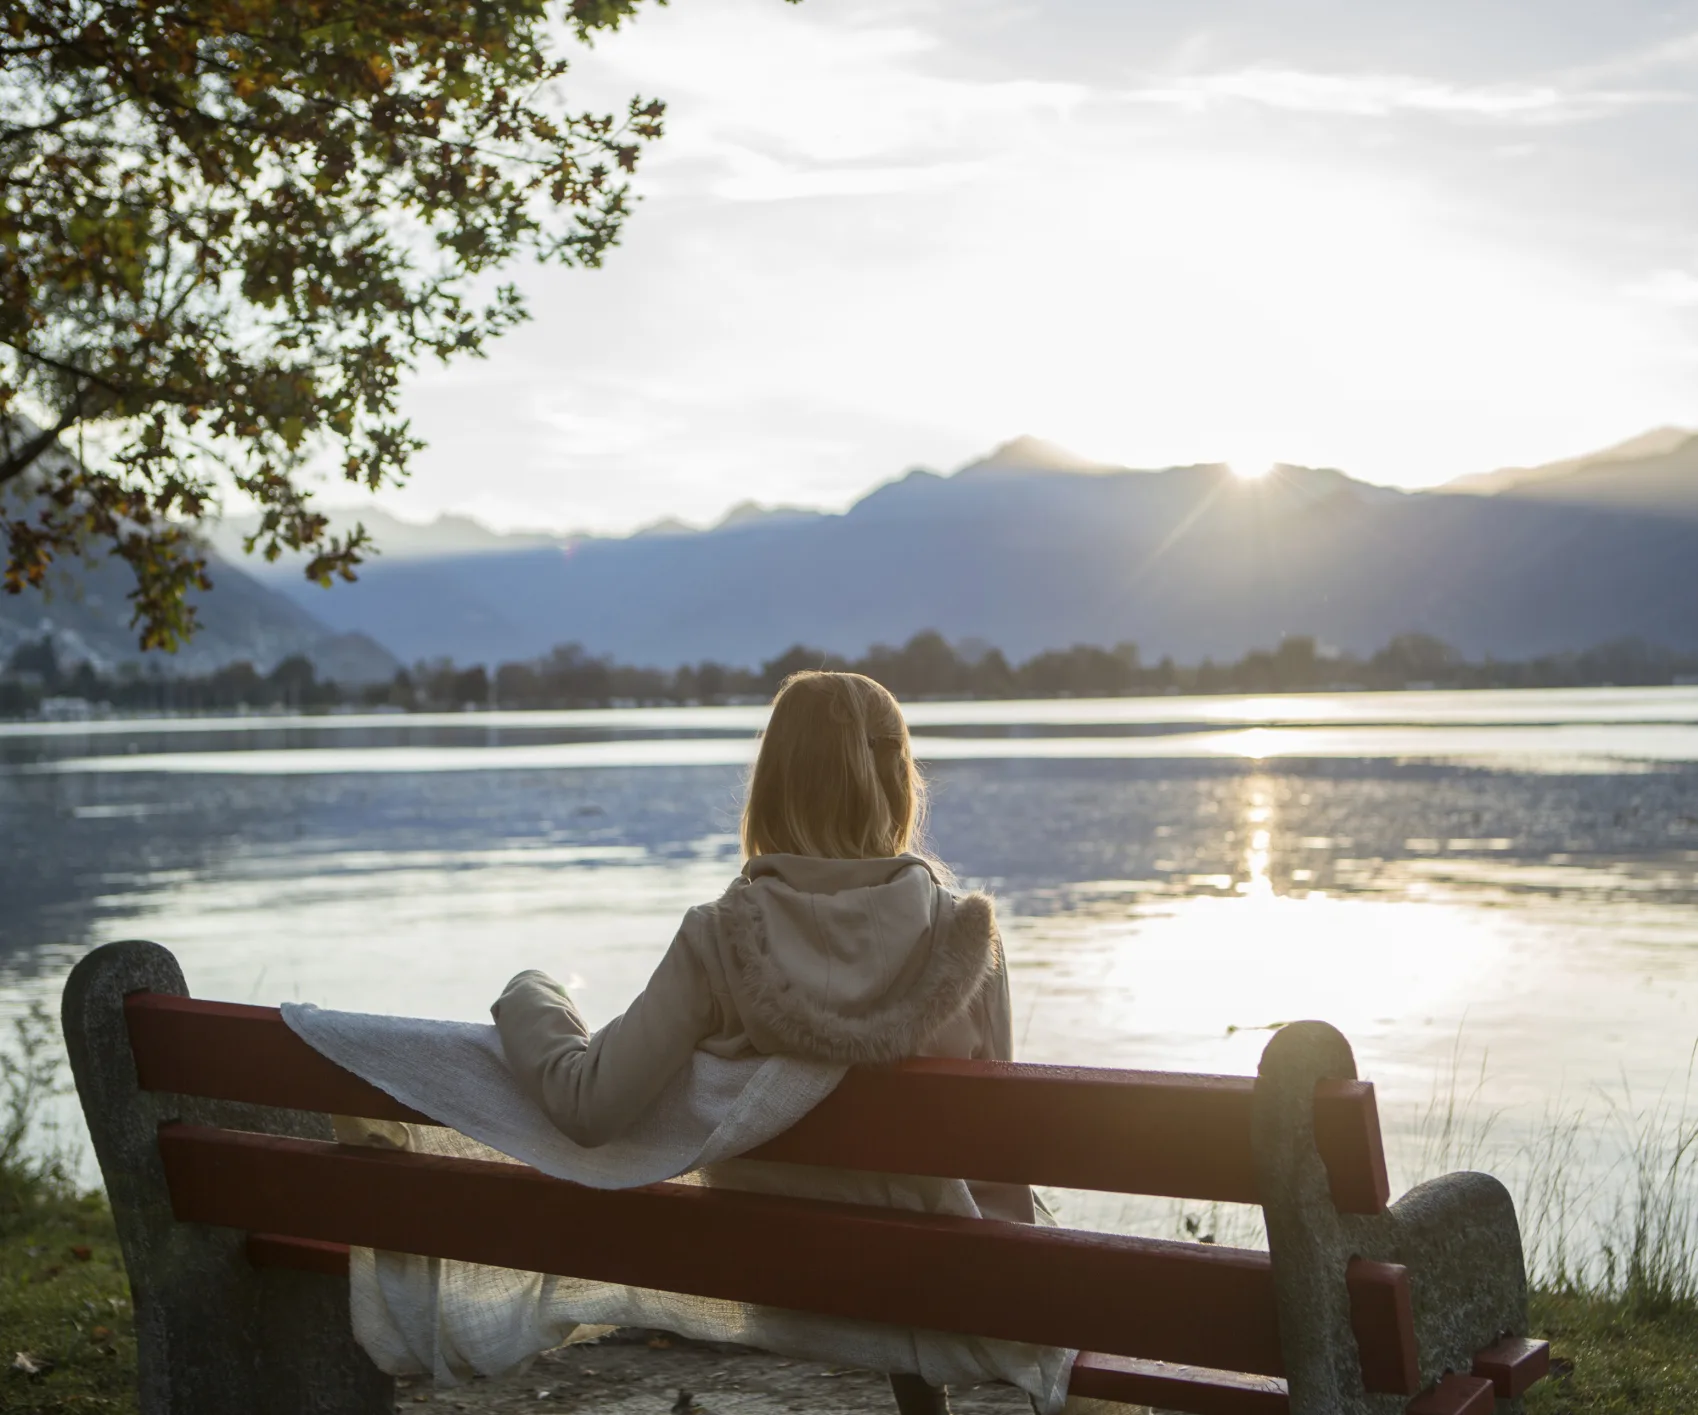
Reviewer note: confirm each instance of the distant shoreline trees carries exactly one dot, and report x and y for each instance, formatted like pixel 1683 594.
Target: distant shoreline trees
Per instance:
pixel 34 680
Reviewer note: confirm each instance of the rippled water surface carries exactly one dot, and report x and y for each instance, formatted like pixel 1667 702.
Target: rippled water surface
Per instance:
pixel 1495 886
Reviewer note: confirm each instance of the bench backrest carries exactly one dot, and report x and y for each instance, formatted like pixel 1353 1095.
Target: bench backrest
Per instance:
pixel 1181 1136
pixel 1184 1326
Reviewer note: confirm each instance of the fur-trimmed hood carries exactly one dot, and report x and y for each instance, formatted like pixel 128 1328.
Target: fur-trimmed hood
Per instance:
pixel 854 961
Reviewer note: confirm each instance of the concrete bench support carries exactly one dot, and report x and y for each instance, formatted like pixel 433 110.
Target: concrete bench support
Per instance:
pixel 214 1334
pixel 1457 1237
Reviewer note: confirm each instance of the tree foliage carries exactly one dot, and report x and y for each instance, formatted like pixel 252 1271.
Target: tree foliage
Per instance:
pixel 230 228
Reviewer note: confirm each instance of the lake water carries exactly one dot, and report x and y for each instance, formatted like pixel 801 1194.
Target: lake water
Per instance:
pixel 1493 892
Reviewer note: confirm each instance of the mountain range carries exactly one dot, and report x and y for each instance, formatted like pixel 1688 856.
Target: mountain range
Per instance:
pixel 1030 547
pixel 1655 474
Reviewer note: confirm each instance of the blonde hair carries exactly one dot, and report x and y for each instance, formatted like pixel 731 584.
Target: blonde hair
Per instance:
pixel 835 777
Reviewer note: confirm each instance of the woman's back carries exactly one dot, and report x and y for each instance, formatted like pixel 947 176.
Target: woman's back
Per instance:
pixel 852 961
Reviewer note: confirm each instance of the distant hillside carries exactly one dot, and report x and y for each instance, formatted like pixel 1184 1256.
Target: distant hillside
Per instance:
pixel 85 610
pixel 1188 561
pixel 1653 474
pixel 88 618
pixel 397 539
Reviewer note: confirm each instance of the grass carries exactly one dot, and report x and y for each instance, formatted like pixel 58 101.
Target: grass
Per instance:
pixel 67 1334
pixel 64 1305
pixel 1623 1325
pixel 1609 1357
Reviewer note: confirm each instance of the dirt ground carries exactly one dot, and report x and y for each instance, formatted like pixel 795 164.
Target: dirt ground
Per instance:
pixel 644 1373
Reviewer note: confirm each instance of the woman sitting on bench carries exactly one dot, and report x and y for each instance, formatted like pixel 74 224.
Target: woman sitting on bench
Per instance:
pixel 840 941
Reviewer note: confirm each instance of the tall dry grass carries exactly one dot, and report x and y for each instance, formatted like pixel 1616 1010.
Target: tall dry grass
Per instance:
pixel 1606 1188
pixel 33 1154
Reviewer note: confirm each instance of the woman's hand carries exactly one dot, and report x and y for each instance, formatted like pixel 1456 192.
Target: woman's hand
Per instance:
pixel 516 980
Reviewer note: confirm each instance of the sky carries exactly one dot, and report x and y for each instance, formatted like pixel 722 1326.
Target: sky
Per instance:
pixel 1409 241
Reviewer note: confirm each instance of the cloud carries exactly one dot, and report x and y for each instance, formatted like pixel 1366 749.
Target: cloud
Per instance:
pixel 1390 95
pixel 757 177
pixel 1679 54
pixel 1678 288
pixel 768 103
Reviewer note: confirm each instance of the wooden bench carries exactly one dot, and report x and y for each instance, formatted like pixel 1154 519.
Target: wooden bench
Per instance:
pixel 235 1209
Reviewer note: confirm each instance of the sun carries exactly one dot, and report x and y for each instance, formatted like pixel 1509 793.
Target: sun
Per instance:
pixel 1252 468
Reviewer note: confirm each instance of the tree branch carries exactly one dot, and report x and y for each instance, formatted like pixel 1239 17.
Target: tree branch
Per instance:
pixel 19 460
pixel 83 376
pixel 62 119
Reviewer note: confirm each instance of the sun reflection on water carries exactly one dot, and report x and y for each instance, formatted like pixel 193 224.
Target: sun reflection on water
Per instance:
pixel 1258 818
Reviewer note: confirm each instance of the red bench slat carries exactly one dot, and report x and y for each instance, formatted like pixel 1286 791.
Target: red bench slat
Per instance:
pixel 1125 1132
pixel 1194 1389
pixel 228 1051
pixel 1197 1390
pixel 1382 1312
pixel 1513 1365
pixel 1124 1296
pixel 1347 1133
pixel 308 1255
pixel 1455 1395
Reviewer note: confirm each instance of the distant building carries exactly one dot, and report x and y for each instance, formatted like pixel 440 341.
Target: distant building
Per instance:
pixel 63 709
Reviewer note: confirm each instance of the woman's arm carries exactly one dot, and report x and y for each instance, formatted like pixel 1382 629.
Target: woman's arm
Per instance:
pixel 593 1087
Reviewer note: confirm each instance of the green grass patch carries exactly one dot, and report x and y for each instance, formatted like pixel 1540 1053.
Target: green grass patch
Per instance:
pixel 64 1304
pixel 1612 1356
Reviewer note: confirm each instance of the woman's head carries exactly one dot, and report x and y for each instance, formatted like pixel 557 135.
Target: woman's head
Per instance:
pixel 835 777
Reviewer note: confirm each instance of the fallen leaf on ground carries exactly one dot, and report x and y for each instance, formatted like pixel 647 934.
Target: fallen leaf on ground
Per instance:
pixel 81 1252
pixel 32 1366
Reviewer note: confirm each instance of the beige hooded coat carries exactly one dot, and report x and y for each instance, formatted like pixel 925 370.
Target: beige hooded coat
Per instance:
pixel 848 961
